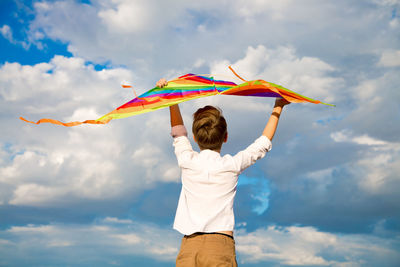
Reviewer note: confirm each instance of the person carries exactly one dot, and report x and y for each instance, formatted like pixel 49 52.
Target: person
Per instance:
pixel 205 207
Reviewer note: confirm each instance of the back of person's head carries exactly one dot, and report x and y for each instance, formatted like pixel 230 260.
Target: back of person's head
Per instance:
pixel 209 128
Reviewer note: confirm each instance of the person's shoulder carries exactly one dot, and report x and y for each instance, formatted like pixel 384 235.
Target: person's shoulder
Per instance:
pixel 226 156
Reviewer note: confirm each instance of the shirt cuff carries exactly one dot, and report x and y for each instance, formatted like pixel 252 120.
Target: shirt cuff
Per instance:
pixel 178 130
pixel 264 141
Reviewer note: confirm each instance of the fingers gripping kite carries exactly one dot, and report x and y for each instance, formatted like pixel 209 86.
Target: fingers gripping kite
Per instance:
pixel 188 87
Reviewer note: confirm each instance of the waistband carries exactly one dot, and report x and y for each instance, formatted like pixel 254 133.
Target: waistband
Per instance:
pixel 203 233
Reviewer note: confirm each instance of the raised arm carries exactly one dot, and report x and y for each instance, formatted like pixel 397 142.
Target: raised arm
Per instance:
pixel 272 124
pixel 175 113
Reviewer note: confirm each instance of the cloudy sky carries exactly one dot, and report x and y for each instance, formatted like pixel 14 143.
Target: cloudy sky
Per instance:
pixel 326 195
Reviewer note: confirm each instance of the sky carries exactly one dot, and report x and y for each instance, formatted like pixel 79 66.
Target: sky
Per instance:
pixel 327 194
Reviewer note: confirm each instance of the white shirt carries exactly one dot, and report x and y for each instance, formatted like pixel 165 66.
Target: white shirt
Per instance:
pixel 209 184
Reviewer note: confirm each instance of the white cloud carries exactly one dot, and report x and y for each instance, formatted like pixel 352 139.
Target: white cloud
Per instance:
pixel 127 17
pixel 292 245
pixel 394 23
pixel 376 170
pixel 47 175
pixel 250 8
pixel 51 165
pixel 151 159
pixel 107 238
pixel 345 136
pixel 139 16
pixel 4 242
pixel 379 170
pixel 116 220
pixel 373 100
pixel 107 30
pixel 367 140
pixel 130 239
pixel 386 2
pixel 63 79
pixel 295 245
pixel 32 228
pixel 153 36
pixel 6 32
pixel 390 58
pixel 33 194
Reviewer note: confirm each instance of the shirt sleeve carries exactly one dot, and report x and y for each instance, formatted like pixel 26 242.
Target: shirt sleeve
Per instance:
pixel 253 152
pixel 183 148
pixel 178 130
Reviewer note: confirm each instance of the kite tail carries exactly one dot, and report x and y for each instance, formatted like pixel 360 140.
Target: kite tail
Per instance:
pixel 332 105
pixel 67 124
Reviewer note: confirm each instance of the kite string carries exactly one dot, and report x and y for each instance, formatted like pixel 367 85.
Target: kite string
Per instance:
pixel 212 77
pixel 141 100
pixel 129 86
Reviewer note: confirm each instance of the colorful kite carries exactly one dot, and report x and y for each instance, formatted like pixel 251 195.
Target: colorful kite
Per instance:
pixel 187 87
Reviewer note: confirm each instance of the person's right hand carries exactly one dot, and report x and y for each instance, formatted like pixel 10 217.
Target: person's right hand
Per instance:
pixel 161 83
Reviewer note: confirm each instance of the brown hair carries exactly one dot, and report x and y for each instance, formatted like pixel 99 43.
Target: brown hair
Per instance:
pixel 209 128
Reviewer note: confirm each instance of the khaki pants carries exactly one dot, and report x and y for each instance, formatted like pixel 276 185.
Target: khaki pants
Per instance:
pixel 207 250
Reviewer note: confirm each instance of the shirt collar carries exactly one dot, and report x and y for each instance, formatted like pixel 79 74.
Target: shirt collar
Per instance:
pixel 210 152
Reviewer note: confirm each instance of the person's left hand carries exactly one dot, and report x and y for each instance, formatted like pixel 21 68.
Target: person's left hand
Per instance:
pixel 281 102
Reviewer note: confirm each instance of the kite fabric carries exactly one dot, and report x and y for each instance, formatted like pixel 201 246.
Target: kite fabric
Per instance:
pixel 188 87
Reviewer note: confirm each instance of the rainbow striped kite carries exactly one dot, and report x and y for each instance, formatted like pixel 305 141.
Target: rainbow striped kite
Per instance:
pixel 187 87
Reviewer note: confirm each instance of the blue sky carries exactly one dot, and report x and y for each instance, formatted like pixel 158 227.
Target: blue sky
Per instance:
pixel 327 193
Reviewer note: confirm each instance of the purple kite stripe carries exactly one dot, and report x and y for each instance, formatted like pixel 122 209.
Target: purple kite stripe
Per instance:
pixel 265 94
pixel 183 93
pixel 255 92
